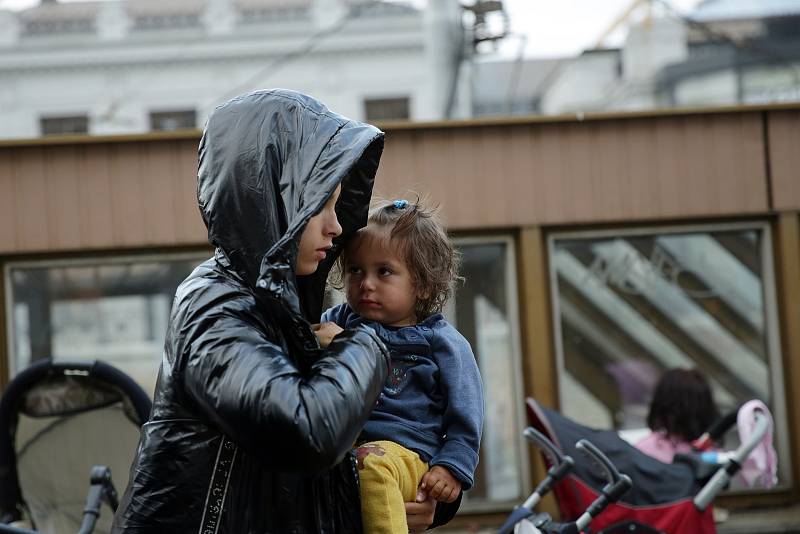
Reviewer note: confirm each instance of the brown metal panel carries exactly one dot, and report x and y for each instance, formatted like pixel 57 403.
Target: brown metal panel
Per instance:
pixel 8 197
pixel 158 216
pixel 64 202
pixel 127 195
pixel 32 209
pixel 183 175
pixel 788 274
pixel 784 158
pixel 557 173
pixel 95 189
pixel 538 357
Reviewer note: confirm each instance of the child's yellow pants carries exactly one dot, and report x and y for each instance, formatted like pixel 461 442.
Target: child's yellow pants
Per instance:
pixel 389 475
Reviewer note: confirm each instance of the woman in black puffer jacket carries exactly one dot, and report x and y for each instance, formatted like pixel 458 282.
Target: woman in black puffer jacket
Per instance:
pixel 252 421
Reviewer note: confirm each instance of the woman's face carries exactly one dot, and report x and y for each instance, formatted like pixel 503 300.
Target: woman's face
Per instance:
pixel 318 237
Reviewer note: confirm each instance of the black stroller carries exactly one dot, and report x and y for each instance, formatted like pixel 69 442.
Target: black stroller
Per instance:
pixel 63 425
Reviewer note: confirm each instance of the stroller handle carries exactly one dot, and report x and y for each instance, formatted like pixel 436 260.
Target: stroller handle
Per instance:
pixel 554 456
pixel 618 483
pixel 612 475
pixel 724 474
pixel 560 466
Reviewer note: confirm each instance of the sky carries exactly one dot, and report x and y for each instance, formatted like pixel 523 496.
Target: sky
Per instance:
pixel 555 28
pixel 547 28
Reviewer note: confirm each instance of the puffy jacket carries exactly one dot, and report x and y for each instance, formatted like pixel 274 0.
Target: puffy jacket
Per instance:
pixel 252 422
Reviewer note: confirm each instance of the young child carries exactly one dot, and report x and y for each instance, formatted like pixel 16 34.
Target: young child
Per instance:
pixel 425 430
pixel 681 410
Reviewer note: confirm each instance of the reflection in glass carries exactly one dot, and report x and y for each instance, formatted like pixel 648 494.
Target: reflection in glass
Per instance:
pixel 481 312
pixel 631 306
pixel 115 311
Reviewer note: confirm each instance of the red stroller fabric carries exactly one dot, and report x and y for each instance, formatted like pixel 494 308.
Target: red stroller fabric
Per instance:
pixel 661 497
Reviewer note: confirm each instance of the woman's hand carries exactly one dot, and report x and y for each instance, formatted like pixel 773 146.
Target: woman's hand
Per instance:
pixel 325 333
pixel 419 514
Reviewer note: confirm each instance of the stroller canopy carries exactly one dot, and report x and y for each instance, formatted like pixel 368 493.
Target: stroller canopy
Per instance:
pixel 57 420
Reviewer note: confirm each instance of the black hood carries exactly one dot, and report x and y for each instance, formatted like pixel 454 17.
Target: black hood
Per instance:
pixel 269 161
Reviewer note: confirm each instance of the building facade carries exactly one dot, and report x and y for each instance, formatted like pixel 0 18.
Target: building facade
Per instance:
pixel 724 52
pixel 131 66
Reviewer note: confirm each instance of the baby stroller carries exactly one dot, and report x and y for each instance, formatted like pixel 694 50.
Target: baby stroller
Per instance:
pixel 665 498
pixel 63 424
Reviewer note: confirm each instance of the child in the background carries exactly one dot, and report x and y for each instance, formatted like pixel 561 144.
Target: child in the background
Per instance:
pixel 425 430
pixel 681 410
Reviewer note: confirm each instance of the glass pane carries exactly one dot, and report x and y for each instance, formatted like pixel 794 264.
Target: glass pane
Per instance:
pixel 481 312
pixel 630 307
pixel 115 311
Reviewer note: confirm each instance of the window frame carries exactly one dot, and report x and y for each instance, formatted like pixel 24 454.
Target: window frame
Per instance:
pixel 56 263
pixel 771 317
pixel 385 101
pixel 73 118
pixel 518 386
pixel 157 116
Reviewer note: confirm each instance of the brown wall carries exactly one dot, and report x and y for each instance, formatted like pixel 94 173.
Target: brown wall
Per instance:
pixel 98 195
pixel 784 158
pixel 94 193
pixel 572 172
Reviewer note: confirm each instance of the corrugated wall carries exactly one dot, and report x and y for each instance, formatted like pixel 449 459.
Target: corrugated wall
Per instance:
pixel 612 170
pixel 99 195
pixel 139 192
pixel 784 158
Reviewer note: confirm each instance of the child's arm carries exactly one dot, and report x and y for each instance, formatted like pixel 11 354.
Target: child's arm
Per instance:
pixel 440 484
pixel 460 383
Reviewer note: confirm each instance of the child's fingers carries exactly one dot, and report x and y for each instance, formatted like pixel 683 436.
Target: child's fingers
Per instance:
pixel 437 489
pixel 426 480
pixel 452 496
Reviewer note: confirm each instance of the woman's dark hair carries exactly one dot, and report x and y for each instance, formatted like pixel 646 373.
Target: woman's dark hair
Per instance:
pixel 682 404
pixel 423 244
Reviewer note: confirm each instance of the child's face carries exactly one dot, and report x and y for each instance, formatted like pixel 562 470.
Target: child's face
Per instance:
pixel 378 283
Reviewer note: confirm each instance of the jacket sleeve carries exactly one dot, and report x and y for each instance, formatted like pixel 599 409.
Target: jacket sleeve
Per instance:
pixel 249 388
pixel 463 418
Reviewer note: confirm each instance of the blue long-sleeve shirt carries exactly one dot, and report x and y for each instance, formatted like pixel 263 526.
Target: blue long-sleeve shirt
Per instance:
pixel 432 402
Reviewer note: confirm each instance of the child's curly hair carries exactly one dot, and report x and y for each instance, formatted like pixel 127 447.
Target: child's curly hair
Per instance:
pixel 422 243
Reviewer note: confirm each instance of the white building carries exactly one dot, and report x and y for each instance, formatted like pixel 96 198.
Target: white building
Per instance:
pixel 129 66
pixel 725 52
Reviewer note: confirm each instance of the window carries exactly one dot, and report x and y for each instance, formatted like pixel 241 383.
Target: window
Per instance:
pixel 631 304
pixel 173 120
pixel 485 312
pixel 114 310
pixel 117 310
pixel 386 109
pixel 75 124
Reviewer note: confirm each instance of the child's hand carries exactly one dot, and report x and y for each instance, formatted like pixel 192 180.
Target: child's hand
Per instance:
pixel 440 484
pixel 325 333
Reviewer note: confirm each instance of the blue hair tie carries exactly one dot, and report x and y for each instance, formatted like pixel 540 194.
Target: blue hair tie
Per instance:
pixel 400 204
